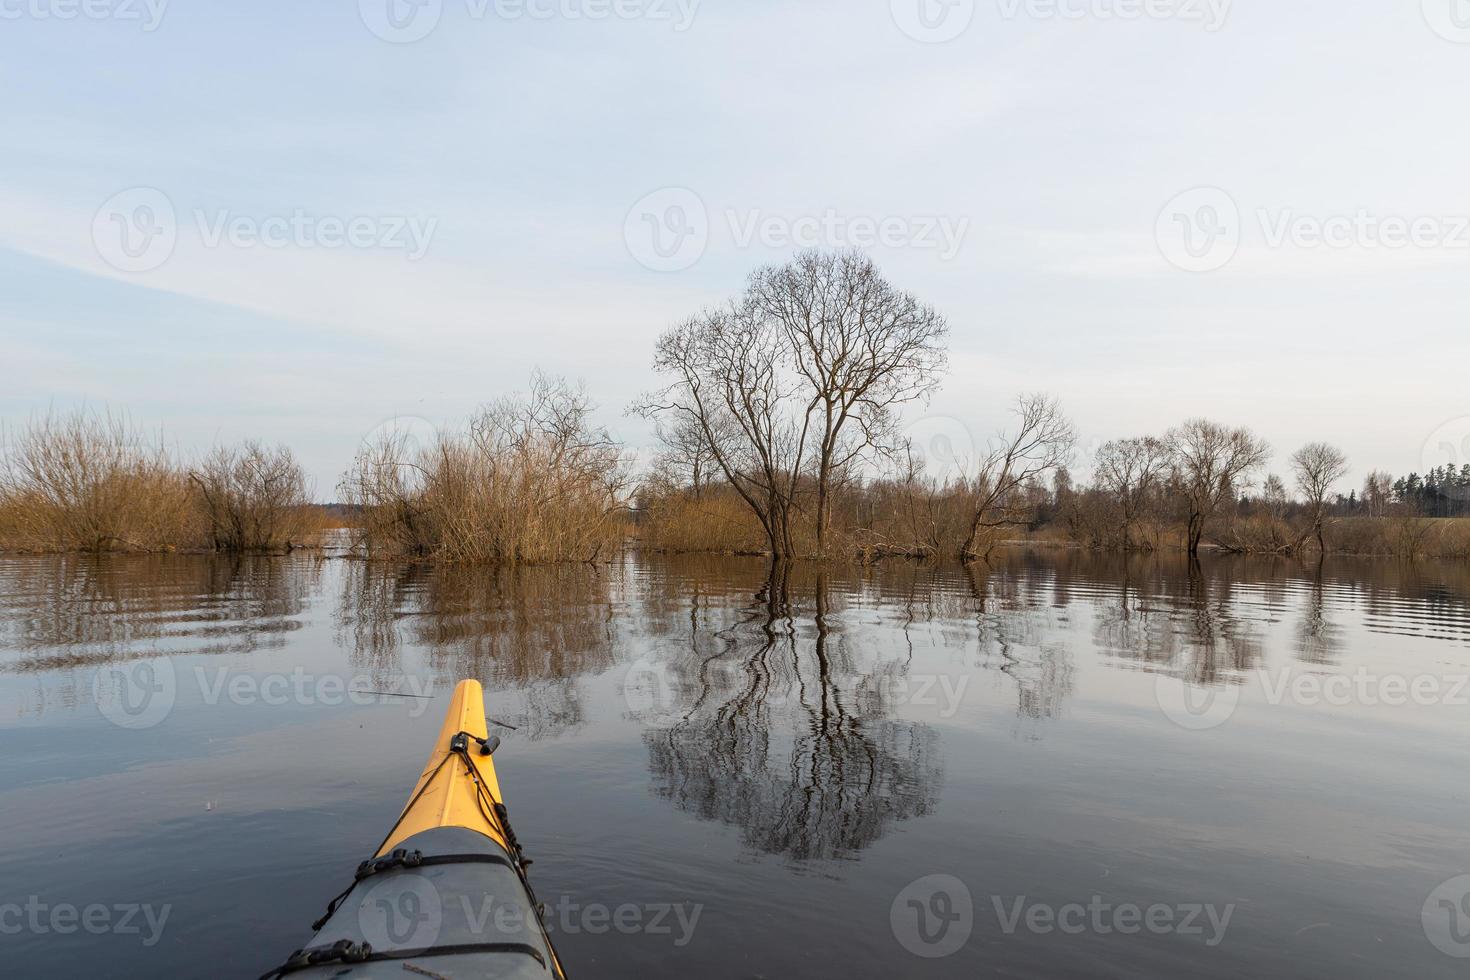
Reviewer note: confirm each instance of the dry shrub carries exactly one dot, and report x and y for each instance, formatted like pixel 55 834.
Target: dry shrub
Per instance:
pixel 914 517
pixel 713 520
pixel 530 482
pixel 253 498
pixel 92 482
pixel 1257 534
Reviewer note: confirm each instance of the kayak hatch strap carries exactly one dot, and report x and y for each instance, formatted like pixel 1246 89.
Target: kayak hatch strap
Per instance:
pixel 346 951
pixel 401 858
pixel 415 859
pixel 495 813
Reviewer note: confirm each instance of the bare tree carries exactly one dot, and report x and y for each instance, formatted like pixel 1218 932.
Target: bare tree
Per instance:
pixel 862 347
pixel 1318 467
pixel 788 388
pixel 729 385
pixel 686 454
pixel 1211 464
pixel 1274 495
pixel 1041 444
pixel 1377 492
pixel 1132 471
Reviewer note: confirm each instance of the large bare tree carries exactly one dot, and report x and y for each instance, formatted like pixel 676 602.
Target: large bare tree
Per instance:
pixel 729 384
pixel 1132 472
pixel 1318 468
pixel 862 348
pixel 791 385
pixel 1211 463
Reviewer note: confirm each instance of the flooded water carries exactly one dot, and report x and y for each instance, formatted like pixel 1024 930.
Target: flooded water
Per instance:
pixel 1058 765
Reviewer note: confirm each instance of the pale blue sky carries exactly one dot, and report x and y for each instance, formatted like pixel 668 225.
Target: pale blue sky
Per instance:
pixel 522 144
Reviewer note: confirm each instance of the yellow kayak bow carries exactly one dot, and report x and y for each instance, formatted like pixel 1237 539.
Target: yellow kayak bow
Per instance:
pixel 446 894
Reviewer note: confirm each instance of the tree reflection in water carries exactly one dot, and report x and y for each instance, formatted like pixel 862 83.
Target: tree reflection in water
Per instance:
pixel 533 631
pixel 59 612
pixel 774 729
pixel 1019 638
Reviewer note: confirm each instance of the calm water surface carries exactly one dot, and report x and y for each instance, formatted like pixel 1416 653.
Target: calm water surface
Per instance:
pixel 1124 769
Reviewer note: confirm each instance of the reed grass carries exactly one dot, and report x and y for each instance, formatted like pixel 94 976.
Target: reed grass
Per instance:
pixel 530 481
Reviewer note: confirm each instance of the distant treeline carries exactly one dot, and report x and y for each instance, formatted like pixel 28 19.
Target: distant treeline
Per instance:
pixel 780 430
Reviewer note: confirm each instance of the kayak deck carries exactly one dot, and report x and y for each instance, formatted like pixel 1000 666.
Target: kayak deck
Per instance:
pixel 447 795
pixel 446 894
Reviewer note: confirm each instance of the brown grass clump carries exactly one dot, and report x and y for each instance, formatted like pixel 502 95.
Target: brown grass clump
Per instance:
pixel 92 482
pixel 530 482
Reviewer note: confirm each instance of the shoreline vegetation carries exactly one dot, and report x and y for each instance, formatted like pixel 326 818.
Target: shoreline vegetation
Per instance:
pixel 781 433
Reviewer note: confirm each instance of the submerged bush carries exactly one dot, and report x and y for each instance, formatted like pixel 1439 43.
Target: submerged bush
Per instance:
pixel 252 498
pixel 531 481
pixel 92 482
